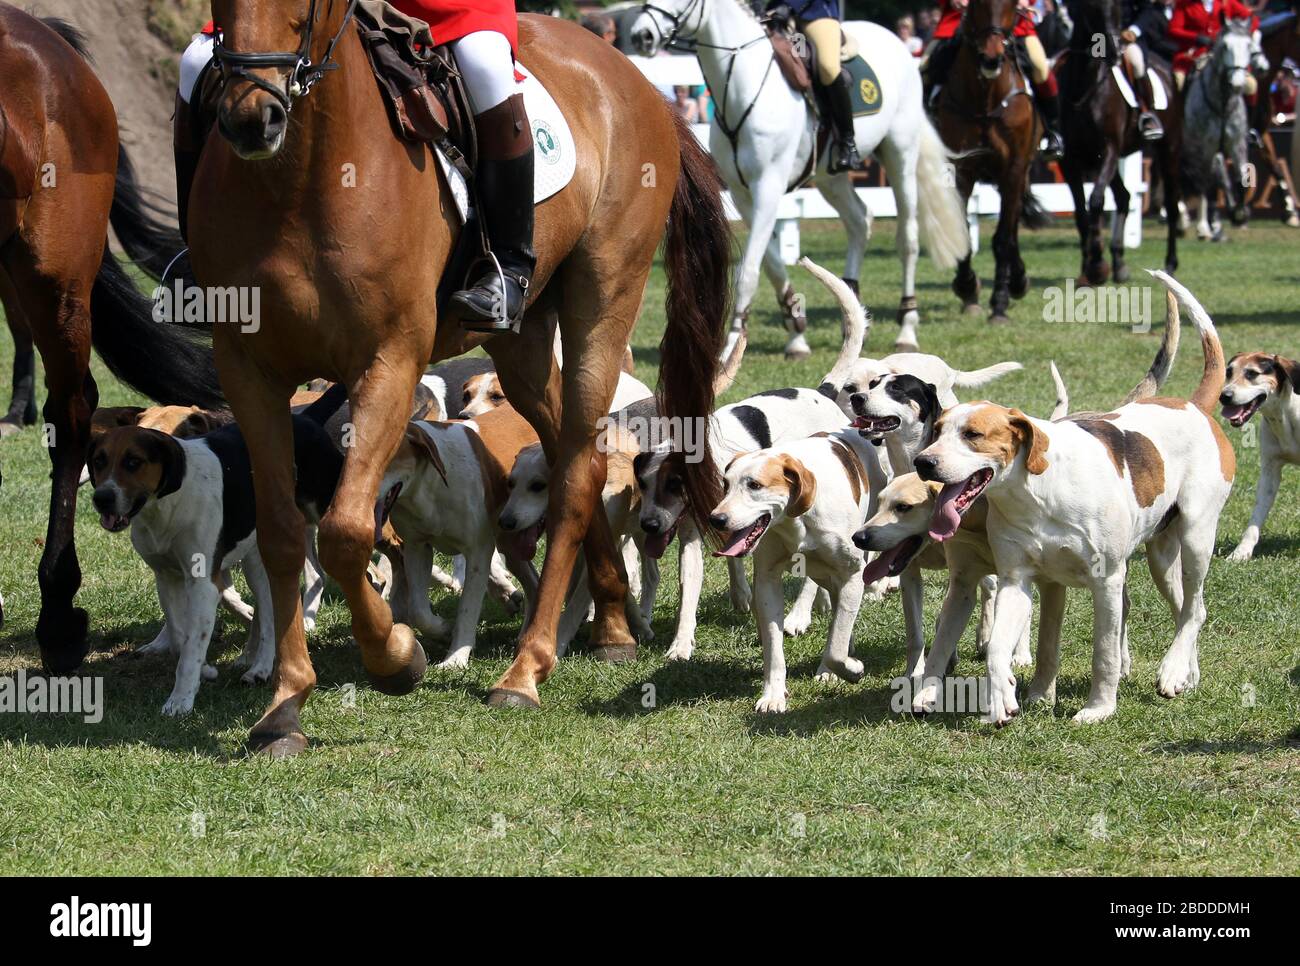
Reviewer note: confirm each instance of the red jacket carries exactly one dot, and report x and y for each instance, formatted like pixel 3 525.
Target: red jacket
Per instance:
pixel 1191 20
pixel 950 20
pixel 451 21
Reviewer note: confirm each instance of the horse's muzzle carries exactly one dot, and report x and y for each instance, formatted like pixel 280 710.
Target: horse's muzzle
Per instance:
pixel 643 41
pixel 254 126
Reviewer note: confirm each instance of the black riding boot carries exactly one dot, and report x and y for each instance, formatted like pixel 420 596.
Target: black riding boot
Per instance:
pixel 504 191
pixel 187 148
pixel 839 111
pixel 1053 146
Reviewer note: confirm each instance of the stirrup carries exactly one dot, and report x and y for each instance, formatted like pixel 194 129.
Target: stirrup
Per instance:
pixel 502 321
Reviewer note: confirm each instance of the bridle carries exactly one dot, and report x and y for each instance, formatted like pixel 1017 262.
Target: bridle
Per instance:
pixel 303 74
pixel 678 22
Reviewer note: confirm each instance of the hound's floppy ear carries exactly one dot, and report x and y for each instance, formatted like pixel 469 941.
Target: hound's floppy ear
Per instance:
pixel 111 417
pixel 424 444
pixel 168 454
pixel 933 409
pixel 1290 369
pixel 1032 437
pixel 197 423
pixel 802 484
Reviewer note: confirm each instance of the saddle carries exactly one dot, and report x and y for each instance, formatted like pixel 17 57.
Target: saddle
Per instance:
pixel 795 60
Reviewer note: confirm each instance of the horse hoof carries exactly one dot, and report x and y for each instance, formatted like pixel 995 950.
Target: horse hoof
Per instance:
pixel 9 429
pixel 1120 274
pixel 999 318
pixel 278 746
pixel 67 641
pixel 615 653
pixel 505 698
pixel 402 681
pixel 906 346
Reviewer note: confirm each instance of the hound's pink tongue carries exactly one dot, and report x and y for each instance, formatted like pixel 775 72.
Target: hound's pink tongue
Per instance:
pixel 656 545
pixel 1235 412
pixel 946 519
pixel 525 541
pixel 878 569
pixel 741 542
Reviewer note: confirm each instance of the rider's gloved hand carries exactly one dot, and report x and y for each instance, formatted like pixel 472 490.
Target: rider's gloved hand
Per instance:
pixel 1204 40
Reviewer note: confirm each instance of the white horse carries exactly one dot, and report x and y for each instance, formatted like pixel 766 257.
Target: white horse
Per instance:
pixel 772 140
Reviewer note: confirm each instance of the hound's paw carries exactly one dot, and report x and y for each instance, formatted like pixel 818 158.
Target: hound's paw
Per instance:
pixel 796 624
pixel 878 589
pixel 1041 693
pixel 926 699
pixel 1242 554
pixel 772 703
pixel 208 673
pixel 851 672
pixel 178 705
pixel 514 604
pixel 308 625
pixel 257 674
pixel 680 650
pixel 1175 677
pixel 740 599
pixel 1002 703
pixel 1022 657
pixel 161 644
pixel 457 660
pixel 432 626
pixel 1090 714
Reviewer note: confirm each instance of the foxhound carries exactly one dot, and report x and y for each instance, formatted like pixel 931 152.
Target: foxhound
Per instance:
pixel 1258 382
pixel 190 508
pixel 758 422
pixel 924 367
pixel 444 489
pixel 1070 502
pixel 799 504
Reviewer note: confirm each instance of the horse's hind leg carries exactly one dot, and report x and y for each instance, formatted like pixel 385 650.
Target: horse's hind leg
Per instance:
pixel 600 306
pixel 55 272
pixel 902 175
pixel 1167 158
pixel 1119 271
pixel 965 283
pixel 22 405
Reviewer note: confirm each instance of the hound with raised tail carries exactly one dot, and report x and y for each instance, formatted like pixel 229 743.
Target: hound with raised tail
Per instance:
pixel 1259 382
pixel 760 421
pixel 1070 502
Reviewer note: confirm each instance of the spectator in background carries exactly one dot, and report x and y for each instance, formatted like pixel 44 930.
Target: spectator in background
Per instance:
pixel 603 26
pixel 906 30
pixel 685 105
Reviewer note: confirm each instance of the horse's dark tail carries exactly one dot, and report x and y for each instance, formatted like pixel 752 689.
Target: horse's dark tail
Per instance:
pixel 1033 215
pixel 74 37
pixel 144 225
pixel 165 362
pixel 697 258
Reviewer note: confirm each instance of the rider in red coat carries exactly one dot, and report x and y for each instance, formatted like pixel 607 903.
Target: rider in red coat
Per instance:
pixel 1195 24
pixel 484 37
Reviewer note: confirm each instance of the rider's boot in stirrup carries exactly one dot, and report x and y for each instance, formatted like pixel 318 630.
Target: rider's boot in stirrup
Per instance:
pixel 1050 106
pixel 495 302
pixel 844 150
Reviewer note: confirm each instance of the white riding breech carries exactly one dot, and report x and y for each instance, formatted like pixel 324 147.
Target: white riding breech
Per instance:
pixel 484 58
pixel 195 58
pixel 1137 60
pixel 488 66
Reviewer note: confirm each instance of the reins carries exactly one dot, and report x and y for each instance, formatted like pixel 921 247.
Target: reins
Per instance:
pixel 303 75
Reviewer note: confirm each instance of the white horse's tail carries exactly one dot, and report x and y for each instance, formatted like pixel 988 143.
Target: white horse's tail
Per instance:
pixel 942 215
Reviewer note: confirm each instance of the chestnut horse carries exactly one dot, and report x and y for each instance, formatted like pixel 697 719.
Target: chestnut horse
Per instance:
pixel 59 159
pixel 1101 129
pixel 347 270
pixel 986 115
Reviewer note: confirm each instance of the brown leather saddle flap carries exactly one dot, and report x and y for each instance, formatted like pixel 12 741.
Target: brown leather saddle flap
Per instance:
pixel 793 68
pixel 414 74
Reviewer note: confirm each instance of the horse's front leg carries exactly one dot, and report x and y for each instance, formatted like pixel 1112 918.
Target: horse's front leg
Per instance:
pixel 965 283
pixel 22 405
pixel 1119 271
pixel 1006 245
pixel 262 410
pixel 380 398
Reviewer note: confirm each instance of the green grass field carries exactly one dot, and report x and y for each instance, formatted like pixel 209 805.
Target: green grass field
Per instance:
pixel 607 780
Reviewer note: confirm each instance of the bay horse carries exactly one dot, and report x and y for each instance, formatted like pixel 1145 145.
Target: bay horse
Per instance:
pixel 763 136
pixel 59 161
pixel 1100 130
pixel 348 269
pixel 986 114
